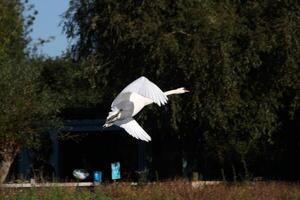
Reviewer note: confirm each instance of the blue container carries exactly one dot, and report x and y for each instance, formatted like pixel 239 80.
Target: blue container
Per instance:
pixel 115 171
pixel 97 176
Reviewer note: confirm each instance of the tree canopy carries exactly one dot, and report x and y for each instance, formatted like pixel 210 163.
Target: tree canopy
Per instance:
pixel 12 41
pixel 26 105
pixel 239 58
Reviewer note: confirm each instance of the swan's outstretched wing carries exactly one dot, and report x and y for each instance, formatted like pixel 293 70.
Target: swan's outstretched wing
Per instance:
pixel 146 88
pixel 134 129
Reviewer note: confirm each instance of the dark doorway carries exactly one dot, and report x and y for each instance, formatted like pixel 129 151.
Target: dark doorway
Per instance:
pixel 95 151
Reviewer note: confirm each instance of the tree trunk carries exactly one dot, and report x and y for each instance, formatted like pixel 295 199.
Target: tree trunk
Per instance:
pixel 4 169
pixel 8 152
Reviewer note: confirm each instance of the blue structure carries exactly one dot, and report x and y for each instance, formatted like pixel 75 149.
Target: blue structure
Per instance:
pixel 115 171
pixel 97 176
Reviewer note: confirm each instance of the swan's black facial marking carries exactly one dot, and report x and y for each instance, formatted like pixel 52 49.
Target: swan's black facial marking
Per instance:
pixel 112 118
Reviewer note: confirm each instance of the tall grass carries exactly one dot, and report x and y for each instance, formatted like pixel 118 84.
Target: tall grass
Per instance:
pixel 171 190
pixel 54 193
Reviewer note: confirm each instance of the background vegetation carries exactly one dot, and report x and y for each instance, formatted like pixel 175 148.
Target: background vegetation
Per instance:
pixel 240 59
pixel 27 106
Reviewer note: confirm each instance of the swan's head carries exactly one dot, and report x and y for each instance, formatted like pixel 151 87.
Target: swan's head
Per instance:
pixel 112 117
pixel 107 124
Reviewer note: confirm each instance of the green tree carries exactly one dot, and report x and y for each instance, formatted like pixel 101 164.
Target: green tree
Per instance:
pixel 26 105
pixel 12 41
pixel 240 59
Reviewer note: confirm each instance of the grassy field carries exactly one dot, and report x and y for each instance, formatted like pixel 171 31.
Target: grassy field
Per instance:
pixel 171 190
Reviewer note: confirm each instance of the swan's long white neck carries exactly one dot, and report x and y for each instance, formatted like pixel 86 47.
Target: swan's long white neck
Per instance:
pixel 140 101
pixel 176 91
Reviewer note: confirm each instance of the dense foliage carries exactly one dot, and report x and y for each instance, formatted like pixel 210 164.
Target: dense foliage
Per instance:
pixel 239 58
pixel 26 105
pixel 11 33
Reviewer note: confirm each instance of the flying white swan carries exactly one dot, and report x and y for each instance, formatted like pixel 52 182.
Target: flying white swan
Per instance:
pixel 131 100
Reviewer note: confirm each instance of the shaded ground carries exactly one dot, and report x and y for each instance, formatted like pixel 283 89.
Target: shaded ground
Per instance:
pixel 164 191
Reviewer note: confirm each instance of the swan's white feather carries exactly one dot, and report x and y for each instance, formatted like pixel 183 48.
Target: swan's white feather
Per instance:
pixel 134 129
pixel 146 88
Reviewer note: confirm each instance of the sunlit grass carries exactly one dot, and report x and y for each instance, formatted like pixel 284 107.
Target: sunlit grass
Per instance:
pixel 170 190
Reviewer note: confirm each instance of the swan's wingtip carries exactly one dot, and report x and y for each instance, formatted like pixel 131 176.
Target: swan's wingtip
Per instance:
pixel 146 139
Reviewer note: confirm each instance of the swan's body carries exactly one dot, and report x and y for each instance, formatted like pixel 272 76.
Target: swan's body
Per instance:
pixel 131 100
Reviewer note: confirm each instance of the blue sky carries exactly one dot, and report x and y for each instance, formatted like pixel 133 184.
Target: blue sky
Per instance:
pixel 47 25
